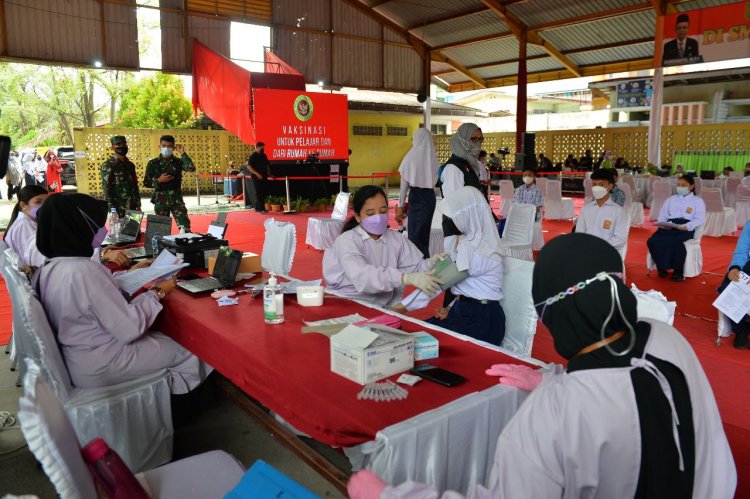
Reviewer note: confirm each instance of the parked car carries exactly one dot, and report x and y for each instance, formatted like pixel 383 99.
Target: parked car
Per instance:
pixel 67 157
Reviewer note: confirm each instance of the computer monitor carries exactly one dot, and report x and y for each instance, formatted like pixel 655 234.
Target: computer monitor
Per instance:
pixel 160 224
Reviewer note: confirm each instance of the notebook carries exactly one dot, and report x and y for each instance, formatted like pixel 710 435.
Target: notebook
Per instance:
pixel 225 272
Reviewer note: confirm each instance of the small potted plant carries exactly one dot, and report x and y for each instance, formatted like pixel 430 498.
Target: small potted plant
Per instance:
pixel 268 204
pixel 321 204
pixel 275 203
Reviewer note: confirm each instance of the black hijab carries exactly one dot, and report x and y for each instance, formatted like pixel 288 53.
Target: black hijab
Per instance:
pixel 63 228
pixel 575 321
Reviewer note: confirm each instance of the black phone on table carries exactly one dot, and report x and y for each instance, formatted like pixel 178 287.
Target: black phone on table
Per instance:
pixel 437 375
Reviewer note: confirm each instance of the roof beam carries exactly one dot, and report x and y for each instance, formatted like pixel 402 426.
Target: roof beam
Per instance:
pixel 378 3
pixel 418 45
pixel 472 41
pixel 519 29
pixel 594 16
pixel 478 80
pixel 443 19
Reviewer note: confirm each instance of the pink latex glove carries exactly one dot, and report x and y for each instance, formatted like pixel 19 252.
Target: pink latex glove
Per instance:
pixel 365 485
pixel 520 376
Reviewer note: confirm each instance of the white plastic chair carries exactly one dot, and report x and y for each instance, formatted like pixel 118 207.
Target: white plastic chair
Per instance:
pixel 738 175
pixel 693 259
pixel 538 242
pixel 662 190
pixel 54 443
pixel 541 182
pixel 637 194
pixel 322 232
pixel 520 314
pixel 633 208
pixel 518 234
pixel 698 186
pixel 588 194
pixel 743 204
pixel 649 196
pixel 506 195
pixel 135 417
pixel 730 191
pixel 557 207
pixel 279 246
pixel 719 220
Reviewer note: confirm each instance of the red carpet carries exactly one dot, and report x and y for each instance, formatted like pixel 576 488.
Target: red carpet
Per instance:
pixel 728 369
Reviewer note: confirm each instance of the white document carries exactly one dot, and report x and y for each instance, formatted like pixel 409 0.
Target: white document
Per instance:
pixel 734 301
pixel 668 225
pixel 291 286
pixel 216 230
pixel 164 267
pixel 189 235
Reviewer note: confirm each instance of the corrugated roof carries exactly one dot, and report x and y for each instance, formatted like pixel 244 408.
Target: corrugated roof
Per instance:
pixel 357 63
pixel 536 12
pixel 415 12
pixel 462 28
pixel 700 4
pixel 439 67
pixel 350 21
pixel 624 53
pixel 489 52
pixel 312 14
pixel 497 71
pixel 633 26
pixel 402 69
pixel 546 64
pixel 454 77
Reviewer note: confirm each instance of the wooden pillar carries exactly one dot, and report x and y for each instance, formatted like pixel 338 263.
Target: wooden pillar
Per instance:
pixel 426 77
pixel 521 95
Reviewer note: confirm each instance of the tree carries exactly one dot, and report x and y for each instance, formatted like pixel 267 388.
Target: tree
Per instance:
pixel 155 102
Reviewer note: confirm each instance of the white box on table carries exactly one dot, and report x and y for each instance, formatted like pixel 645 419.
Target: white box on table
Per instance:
pixel 368 354
pixel 426 346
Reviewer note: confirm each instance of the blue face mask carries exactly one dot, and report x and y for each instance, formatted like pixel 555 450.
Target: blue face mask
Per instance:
pixel 683 191
pixel 166 151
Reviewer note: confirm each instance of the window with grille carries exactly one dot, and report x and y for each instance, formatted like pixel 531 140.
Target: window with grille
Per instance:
pixel 367 130
pixel 439 129
pixel 400 131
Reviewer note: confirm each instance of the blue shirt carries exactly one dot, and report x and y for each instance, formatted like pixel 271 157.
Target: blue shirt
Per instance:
pixel 742 250
pixel 617 195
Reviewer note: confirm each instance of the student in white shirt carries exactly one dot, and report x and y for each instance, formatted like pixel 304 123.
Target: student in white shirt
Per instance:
pixel 687 212
pixel 602 217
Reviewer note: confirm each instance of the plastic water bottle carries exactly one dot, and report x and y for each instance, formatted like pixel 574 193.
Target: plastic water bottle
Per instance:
pixel 273 302
pixel 114 224
pixel 112 475
pixel 155 245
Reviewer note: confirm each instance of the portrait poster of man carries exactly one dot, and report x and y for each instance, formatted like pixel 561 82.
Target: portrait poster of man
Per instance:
pixel 703 35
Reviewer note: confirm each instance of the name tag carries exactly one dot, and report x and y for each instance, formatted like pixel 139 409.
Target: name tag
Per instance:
pixel 607 224
pixel 688 210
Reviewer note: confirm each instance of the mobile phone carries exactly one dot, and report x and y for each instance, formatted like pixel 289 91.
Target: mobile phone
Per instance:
pixel 441 376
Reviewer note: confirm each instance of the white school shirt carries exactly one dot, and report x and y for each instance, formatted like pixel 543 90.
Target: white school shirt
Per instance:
pixel 608 221
pixel 21 238
pixel 689 207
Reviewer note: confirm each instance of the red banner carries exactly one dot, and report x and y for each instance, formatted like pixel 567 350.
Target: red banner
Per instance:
pixel 705 35
pixel 221 89
pixel 274 64
pixel 294 124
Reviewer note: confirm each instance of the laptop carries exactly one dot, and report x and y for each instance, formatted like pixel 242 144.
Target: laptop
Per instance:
pixel 161 224
pixel 217 229
pixel 225 272
pixel 130 228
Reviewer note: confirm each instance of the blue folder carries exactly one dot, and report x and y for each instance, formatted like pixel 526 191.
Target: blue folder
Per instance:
pixel 263 481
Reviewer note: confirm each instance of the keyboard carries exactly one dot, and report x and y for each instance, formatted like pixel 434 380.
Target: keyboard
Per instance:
pixel 200 285
pixel 136 252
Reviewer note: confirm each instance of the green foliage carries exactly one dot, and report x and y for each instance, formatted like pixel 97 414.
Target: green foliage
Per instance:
pixel 155 102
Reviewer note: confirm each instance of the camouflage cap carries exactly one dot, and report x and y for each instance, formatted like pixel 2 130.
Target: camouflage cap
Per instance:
pixel 117 139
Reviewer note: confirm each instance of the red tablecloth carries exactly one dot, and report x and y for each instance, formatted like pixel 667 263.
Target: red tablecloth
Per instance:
pixel 289 372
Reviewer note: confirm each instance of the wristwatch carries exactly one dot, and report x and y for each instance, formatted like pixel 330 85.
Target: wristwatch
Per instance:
pixel 160 293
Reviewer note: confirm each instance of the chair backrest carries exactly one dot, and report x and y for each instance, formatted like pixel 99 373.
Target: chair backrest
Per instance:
pixel 341 206
pixel 743 193
pixel 506 189
pixel 278 247
pixel 588 194
pixel 519 227
pixel 731 190
pixel 520 325
pixel 738 175
pixel 698 186
pixel 629 180
pixel 698 234
pixel 541 182
pixel 554 192
pixel 714 202
pixel 661 191
pixel 628 194
pixel 51 438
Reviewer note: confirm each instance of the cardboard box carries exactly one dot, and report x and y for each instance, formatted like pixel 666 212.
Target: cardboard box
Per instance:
pixel 368 354
pixel 250 264
pixel 426 346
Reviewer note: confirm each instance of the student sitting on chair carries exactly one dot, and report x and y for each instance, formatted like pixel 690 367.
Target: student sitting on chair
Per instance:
pixel 370 262
pixel 617 194
pixel 686 212
pixel 602 217
pixel 476 310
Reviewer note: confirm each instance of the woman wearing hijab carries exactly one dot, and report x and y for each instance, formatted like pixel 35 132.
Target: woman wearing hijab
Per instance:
pixel 476 310
pixel 40 171
pixel 633 415
pixel 463 166
pixel 368 261
pixel 20 236
pixel 684 212
pixel 104 338
pixel 54 169
pixel 418 178
pixel 607 161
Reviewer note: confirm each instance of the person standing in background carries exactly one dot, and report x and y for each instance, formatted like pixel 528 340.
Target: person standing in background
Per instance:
pixel 164 174
pixel 119 180
pixel 256 171
pixel 54 169
pixel 14 177
pixel 28 169
pixel 418 177
pixel 40 171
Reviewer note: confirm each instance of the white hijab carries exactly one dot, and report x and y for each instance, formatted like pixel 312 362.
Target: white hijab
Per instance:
pixel 462 146
pixel 420 159
pixel 470 212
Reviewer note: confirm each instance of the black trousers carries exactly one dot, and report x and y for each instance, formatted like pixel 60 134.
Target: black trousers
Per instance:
pixel 421 208
pixel 255 192
pixel 667 248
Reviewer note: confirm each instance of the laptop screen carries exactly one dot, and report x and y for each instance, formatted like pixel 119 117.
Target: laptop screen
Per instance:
pixel 227 265
pixel 131 224
pixel 160 224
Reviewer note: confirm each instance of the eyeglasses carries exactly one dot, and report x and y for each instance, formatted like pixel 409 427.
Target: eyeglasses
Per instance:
pixel 477 140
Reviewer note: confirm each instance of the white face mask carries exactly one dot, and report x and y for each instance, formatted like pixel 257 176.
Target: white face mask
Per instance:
pixel 683 191
pixel 166 151
pixel 528 180
pixel 598 191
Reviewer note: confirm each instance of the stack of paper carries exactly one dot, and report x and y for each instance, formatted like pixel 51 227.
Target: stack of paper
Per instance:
pixel 164 267
pixel 734 301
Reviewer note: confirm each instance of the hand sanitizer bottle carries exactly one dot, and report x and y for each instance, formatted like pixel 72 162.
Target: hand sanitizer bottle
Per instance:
pixel 273 302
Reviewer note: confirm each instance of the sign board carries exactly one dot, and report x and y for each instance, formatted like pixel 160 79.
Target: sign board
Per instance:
pixel 635 93
pixel 703 35
pixel 293 124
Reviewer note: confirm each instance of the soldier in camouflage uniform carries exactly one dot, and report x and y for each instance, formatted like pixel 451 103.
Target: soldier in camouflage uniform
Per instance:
pixel 119 180
pixel 164 174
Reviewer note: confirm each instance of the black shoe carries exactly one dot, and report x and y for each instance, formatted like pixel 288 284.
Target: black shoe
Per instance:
pixel 662 273
pixel 678 277
pixel 740 340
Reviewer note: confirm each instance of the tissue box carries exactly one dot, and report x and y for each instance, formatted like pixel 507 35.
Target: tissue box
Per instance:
pixel 365 354
pixel 426 346
pixel 250 264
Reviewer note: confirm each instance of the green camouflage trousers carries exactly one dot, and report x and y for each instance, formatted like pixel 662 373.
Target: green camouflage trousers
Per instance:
pixel 166 201
pixel 121 205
